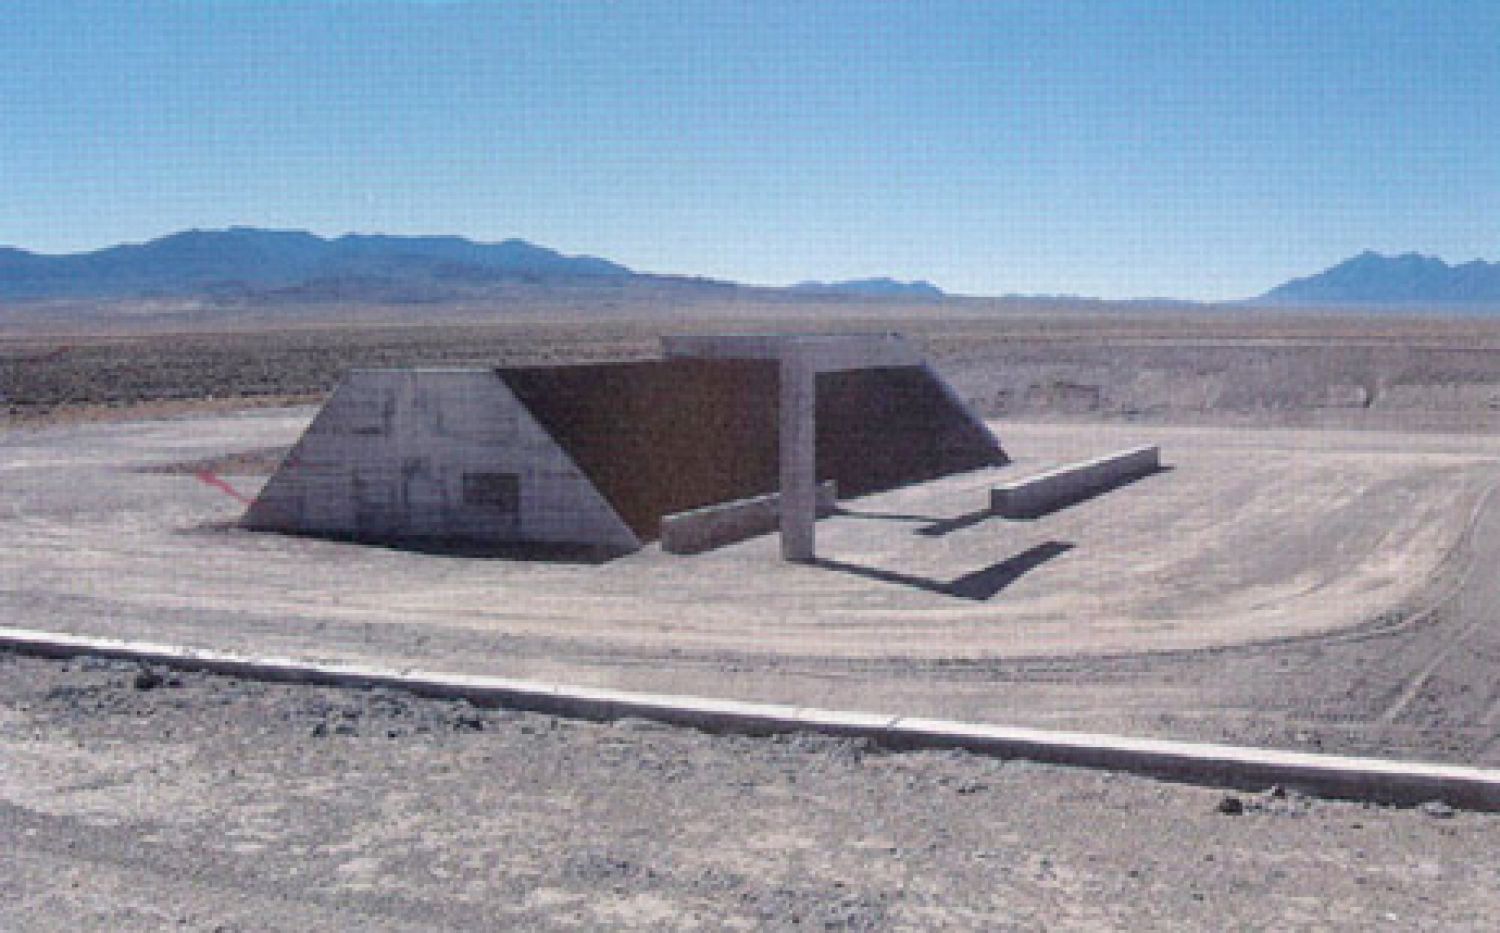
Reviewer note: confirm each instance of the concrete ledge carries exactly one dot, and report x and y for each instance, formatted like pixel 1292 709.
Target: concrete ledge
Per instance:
pixel 1046 492
pixel 712 526
pixel 1372 779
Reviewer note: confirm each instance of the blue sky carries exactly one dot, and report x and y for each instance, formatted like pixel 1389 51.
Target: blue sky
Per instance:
pixel 1117 149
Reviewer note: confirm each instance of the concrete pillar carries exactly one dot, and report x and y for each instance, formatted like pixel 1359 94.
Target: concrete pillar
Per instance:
pixel 799 483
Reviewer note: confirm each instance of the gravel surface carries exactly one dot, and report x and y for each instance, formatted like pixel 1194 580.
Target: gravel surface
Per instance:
pixel 143 799
pixel 1112 363
pixel 140 799
pixel 1258 593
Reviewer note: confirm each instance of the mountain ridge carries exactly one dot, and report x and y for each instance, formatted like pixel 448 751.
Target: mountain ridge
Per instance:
pixel 1405 279
pixel 881 287
pixel 250 260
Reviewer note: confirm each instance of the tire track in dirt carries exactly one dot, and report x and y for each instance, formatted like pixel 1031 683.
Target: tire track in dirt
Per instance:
pixel 1472 600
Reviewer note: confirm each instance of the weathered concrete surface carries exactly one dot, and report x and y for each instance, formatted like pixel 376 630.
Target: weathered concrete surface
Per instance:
pixel 714 526
pixel 802 359
pixel 664 436
pixel 1065 485
pixel 441 454
pixel 798 433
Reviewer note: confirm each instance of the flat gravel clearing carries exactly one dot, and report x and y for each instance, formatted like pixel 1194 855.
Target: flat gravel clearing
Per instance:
pixel 1263 591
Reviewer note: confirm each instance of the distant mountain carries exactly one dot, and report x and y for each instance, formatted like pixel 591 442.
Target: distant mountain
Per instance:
pixel 250 262
pixel 874 288
pixel 1410 279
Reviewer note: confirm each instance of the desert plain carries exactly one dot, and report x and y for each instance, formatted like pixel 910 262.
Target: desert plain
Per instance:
pixel 1311 572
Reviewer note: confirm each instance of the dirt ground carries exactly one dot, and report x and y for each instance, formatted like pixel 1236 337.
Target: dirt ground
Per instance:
pixel 134 800
pixel 1276 586
pixel 1220 367
pixel 1311 574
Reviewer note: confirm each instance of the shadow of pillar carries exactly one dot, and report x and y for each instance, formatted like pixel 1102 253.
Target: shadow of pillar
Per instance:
pixel 978 586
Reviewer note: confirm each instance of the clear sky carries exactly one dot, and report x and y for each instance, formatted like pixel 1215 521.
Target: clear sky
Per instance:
pixel 1110 148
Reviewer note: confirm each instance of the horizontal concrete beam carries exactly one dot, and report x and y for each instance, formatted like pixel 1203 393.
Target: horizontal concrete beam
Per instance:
pixel 713 526
pixel 823 353
pixel 1372 779
pixel 1044 492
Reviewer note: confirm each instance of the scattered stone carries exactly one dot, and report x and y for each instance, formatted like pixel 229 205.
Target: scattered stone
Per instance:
pixel 1437 810
pixel 93 664
pixel 1231 805
pixel 637 724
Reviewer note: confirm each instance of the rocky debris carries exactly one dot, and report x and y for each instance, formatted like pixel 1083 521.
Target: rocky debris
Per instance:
pixel 94 664
pixel 147 678
pixel 1275 800
pixel 832 748
pixel 217 798
pixel 637 724
pixel 1437 810
pixel 387 714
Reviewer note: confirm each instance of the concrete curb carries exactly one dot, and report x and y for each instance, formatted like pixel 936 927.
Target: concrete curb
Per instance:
pixel 1372 779
pixel 1042 493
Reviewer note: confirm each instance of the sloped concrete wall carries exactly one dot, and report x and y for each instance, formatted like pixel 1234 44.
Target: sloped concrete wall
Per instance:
pixel 434 454
pixel 667 436
pixel 660 437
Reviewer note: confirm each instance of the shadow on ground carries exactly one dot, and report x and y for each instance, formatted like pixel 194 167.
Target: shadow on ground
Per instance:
pixel 977 586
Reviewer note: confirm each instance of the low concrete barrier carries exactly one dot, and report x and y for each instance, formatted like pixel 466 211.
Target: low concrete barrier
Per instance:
pixel 703 529
pixel 1064 485
pixel 1372 779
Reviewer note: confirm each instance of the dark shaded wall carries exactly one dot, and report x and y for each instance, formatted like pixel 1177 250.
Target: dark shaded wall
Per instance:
pixel 658 437
pixel 883 428
pixel 663 436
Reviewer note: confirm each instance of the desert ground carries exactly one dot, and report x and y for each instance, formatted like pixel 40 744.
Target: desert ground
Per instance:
pixel 1311 572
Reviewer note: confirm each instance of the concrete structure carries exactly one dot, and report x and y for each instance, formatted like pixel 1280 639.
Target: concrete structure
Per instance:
pixel 1046 492
pixel 713 526
pixel 801 360
pixel 597 455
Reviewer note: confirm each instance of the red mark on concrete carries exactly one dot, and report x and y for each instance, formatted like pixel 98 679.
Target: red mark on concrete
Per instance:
pixel 210 478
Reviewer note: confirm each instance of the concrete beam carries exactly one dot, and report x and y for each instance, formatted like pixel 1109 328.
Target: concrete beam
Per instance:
pixel 723 523
pixel 1372 779
pixel 799 459
pixel 1064 485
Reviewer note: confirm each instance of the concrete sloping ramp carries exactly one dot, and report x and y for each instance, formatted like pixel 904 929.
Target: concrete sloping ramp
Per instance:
pixel 444 454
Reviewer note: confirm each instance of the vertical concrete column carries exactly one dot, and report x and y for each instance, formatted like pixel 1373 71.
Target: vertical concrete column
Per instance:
pixel 799 486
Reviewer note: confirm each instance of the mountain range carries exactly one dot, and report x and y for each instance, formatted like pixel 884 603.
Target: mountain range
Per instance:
pixel 258 265
pixel 246 261
pixel 875 288
pixel 1409 279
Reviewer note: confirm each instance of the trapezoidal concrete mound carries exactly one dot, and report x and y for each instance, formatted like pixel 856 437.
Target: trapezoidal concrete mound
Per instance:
pixel 594 456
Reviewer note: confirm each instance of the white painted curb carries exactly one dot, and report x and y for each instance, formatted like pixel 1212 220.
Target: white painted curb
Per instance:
pixel 1372 779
